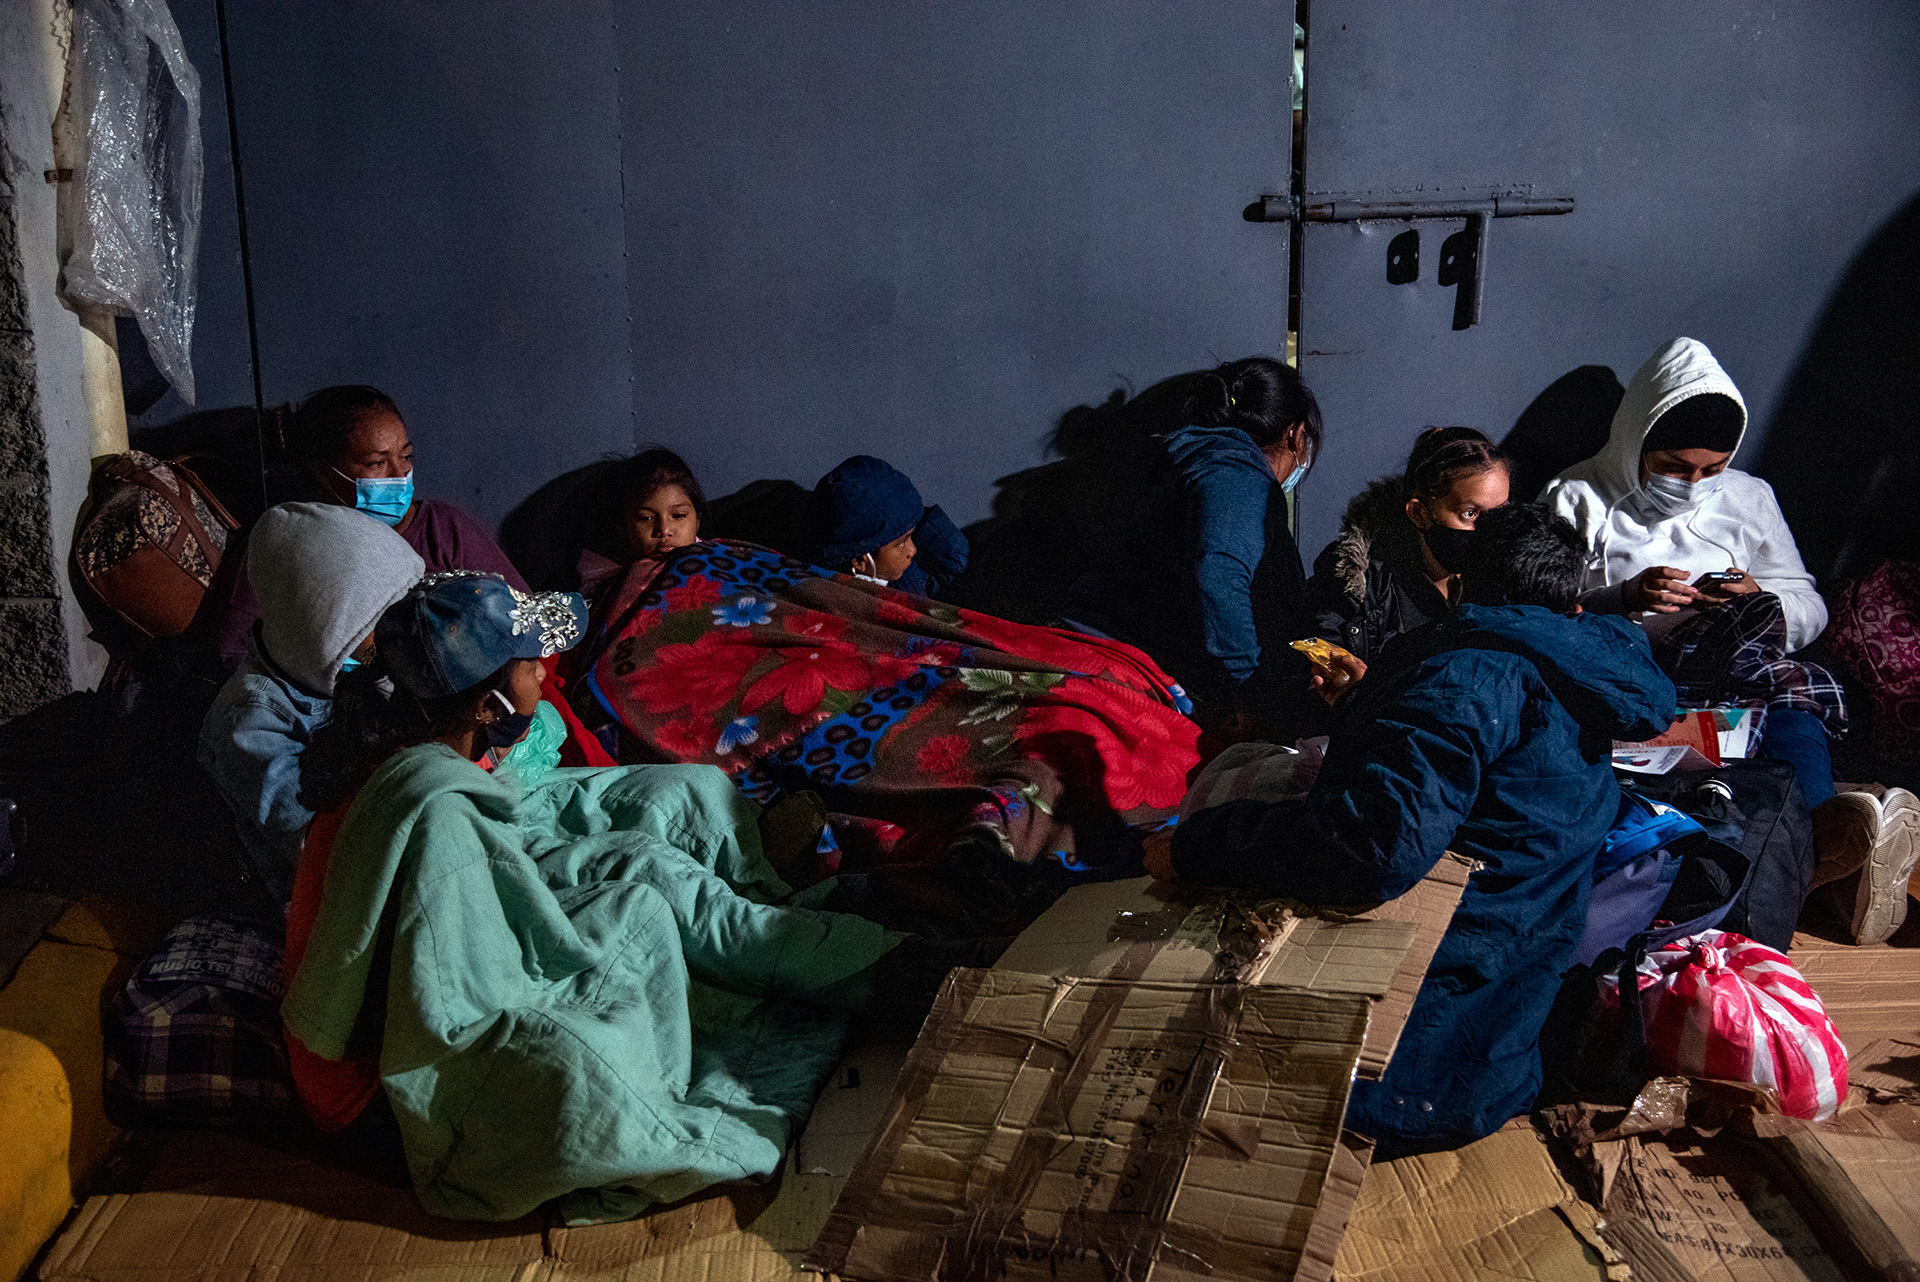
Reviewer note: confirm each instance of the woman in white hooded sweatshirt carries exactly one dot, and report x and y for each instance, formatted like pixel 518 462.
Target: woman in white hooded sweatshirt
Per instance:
pixel 1656 517
pixel 1660 508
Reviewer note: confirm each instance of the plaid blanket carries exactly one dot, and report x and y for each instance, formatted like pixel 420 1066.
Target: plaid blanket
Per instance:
pixel 1737 654
pixel 194 1039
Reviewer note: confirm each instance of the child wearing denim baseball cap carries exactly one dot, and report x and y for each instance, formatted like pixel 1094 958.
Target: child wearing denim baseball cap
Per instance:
pixel 459 662
pixel 512 955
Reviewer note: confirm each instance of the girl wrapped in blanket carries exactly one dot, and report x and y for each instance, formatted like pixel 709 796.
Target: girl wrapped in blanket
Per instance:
pixel 972 766
pixel 582 984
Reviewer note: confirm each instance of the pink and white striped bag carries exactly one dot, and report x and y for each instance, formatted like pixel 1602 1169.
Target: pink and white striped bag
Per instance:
pixel 1719 1005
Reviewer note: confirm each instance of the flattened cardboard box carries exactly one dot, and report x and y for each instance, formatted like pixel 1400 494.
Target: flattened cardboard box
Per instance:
pixel 1010 1142
pixel 1063 1128
pixel 224 1209
pixel 1497 1208
pixel 1142 929
pixel 1712 1213
pixel 1873 997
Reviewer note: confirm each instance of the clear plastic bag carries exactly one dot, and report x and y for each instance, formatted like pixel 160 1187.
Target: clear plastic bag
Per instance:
pixel 134 101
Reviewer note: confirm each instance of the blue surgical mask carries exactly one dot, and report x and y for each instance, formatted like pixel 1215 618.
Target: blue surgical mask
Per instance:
pixel 384 498
pixel 348 664
pixel 1297 475
pixel 1670 496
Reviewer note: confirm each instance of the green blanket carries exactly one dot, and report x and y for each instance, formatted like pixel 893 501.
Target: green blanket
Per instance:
pixel 579 980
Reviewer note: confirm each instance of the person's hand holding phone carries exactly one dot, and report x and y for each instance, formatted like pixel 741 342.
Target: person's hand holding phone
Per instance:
pixel 1717 587
pixel 1659 589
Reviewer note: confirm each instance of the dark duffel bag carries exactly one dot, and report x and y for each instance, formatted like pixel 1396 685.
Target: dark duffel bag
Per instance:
pixel 1755 807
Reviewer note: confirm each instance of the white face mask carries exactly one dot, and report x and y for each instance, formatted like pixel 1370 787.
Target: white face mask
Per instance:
pixel 1671 496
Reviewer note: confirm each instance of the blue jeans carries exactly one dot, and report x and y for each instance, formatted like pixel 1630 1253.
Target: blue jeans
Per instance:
pixel 1799 739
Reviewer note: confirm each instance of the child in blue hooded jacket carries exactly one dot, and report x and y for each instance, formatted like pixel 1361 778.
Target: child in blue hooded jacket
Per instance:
pixel 866 519
pixel 1488 732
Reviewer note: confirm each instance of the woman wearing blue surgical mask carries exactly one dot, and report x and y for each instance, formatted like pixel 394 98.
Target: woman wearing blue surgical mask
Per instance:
pixel 371 461
pixel 351 448
pixel 1204 575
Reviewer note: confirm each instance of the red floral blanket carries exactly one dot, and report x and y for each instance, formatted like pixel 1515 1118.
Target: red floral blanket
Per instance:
pixel 952 728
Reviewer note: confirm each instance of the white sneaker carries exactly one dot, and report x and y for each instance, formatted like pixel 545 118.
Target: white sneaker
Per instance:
pixel 1867 842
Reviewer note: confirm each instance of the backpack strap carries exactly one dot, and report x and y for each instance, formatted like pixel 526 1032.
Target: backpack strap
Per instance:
pixel 200 487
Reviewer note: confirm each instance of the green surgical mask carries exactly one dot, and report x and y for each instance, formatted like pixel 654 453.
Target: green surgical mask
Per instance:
pixel 537 755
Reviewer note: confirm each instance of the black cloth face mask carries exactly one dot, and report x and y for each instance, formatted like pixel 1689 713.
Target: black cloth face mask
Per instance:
pixel 1448 546
pixel 511 726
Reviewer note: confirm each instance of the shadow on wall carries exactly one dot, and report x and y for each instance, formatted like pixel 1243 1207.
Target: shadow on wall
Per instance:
pixel 236 452
pixel 1565 424
pixel 1050 522
pixel 546 533
pixel 1843 452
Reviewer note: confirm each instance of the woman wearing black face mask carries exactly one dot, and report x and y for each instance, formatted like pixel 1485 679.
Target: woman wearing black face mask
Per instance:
pixel 1396 563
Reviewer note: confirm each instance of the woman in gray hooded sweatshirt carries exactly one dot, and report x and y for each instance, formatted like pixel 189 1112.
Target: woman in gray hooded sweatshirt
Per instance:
pixel 324 575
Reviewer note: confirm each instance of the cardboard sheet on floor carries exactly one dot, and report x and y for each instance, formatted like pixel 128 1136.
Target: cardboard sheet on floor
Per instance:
pixel 1885 1170
pixel 1873 996
pixel 1497 1208
pixel 1857 1175
pixel 1031 1132
pixel 218 1208
pixel 1711 1213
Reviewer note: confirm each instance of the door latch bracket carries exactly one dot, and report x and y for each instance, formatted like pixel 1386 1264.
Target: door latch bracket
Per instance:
pixel 1463 257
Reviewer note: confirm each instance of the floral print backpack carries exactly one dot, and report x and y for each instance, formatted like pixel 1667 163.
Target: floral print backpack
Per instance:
pixel 1875 636
pixel 150 539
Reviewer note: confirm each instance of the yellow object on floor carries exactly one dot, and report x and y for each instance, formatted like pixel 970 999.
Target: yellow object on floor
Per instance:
pixel 54 1132
pixel 34 1188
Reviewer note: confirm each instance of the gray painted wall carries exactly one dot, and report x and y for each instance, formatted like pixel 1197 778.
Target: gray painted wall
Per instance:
pixel 1729 159
pixel 924 230
pixel 769 234
pixel 433 203
pixel 772 234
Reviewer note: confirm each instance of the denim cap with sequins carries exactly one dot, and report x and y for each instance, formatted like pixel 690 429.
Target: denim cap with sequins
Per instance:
pixel 457 629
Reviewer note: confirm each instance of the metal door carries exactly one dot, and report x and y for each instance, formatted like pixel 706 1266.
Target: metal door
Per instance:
pixel 1723 161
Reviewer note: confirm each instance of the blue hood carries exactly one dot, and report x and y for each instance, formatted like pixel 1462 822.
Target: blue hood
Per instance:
pixel 1214 448
pixel 859 507
pixel 1599 666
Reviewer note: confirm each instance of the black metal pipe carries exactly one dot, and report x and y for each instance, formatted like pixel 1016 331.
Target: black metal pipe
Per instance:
pixel 1365 207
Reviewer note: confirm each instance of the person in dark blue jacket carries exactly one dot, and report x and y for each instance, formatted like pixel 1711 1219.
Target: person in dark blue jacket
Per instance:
pixel 1488 733
pixel 1205 576
pixel 866 518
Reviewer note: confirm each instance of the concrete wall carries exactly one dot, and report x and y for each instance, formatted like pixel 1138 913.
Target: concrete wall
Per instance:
pixel 48 430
